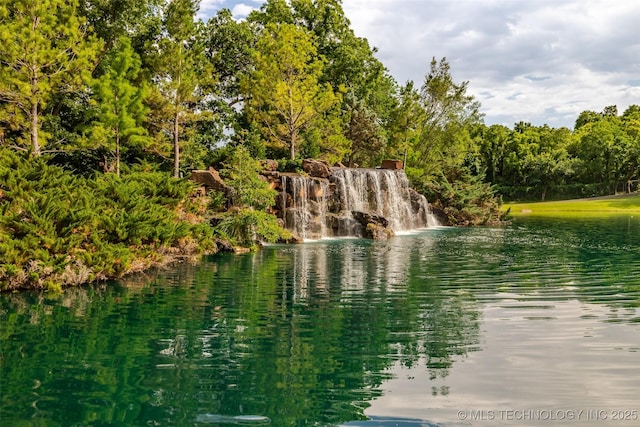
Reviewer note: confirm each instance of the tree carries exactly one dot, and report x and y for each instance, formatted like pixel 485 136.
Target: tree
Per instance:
pixel 242 172
pixel 283 94
pixel 228 49
pixel 183 72
pixel 121 111
pixel 586 117
pixel 44 49
pixel 364 132
pixel 110 20
pixel 631 123
pixel 492 146
pixel 350 66
pixel 448 114
pixel 405 123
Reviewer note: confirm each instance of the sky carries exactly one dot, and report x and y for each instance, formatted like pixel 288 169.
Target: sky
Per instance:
pixel 537 61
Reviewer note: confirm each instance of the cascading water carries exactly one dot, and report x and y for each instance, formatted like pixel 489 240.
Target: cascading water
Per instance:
pixel 314 208
pixel 305 205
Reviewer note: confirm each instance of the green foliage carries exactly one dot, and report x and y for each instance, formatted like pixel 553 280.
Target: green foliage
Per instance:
pixel 449 115
pixel 182 71
pixel 60 228
pixel 120 108
pixel 364 132
pixel 242 172
pixel 248 223
pixel 283 92
pixel 288 165
pixel 44 52
pixel 466 201
pixel 217 200
pixel 405 124
pixel 601 156
pixel 247 227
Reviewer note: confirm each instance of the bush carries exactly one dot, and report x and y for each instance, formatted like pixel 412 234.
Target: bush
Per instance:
pixel 288 165
pixel 57 227
pixel 248 228
pixel 465 201
pixel 242 172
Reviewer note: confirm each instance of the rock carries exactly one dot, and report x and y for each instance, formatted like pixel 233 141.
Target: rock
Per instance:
pixel 239 250
pixel 294 239
pixel 418 201
pixel 224 245
pixel 374 226
pixel 316 168
pixel 339 165
pixel 366 218
pixel 377 232
pixel 440 214
pixel 212 180
pixel 269 165
pixel 209 178
pixel 392 164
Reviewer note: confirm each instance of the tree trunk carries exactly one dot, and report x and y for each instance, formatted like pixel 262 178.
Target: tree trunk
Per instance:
pixel 176 146
pixel 404 160
pixel 34 118
pixel 34 129
pixel 117 154
pixel 292 145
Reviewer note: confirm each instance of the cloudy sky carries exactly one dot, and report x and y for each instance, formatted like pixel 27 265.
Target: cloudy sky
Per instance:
pixel 538 61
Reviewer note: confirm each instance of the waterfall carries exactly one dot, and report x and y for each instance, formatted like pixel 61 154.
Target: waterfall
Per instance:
pixel 314 207
pixel 305 205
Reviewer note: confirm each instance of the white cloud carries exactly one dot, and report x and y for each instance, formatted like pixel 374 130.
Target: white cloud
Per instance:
pixel 208 8
pixel 239 8
pixel 587 51
pixel 242 10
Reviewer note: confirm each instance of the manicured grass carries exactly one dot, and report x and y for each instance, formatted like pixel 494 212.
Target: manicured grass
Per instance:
pixel 598 206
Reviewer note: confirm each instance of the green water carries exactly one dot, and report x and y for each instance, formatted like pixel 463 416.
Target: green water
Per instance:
pixel 537 324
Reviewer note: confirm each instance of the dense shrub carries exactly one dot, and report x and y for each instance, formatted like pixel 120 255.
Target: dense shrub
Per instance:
pixel 248 227
pixel 248 223
pixel 58 229
pixel 466 201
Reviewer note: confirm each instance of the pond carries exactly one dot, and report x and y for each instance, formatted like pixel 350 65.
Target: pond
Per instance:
pixel 534 324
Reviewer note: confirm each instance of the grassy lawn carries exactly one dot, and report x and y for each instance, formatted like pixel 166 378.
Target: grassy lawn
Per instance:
pixel 597 206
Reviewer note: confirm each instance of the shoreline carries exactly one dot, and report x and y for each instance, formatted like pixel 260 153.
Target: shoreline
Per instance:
pixel 618 204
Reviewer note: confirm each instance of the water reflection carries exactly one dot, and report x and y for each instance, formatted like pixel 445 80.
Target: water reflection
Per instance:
pixel 350 332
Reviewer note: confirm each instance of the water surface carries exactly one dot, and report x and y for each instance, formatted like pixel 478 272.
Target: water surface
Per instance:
pixel 533 324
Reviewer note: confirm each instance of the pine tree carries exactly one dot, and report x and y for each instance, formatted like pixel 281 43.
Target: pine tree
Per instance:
pixel 44 49
pixel 121 111
pixel 283 93
pixel 183 71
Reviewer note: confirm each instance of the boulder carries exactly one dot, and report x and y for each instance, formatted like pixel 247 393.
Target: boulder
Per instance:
pixel 224 245
pixel 316 168
pixel 209 178
pixel 366 218
pixel 269 165
pixel 294 239
pixel 377 232
pixel 392 164
pixel 374 226
pixel 440 214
